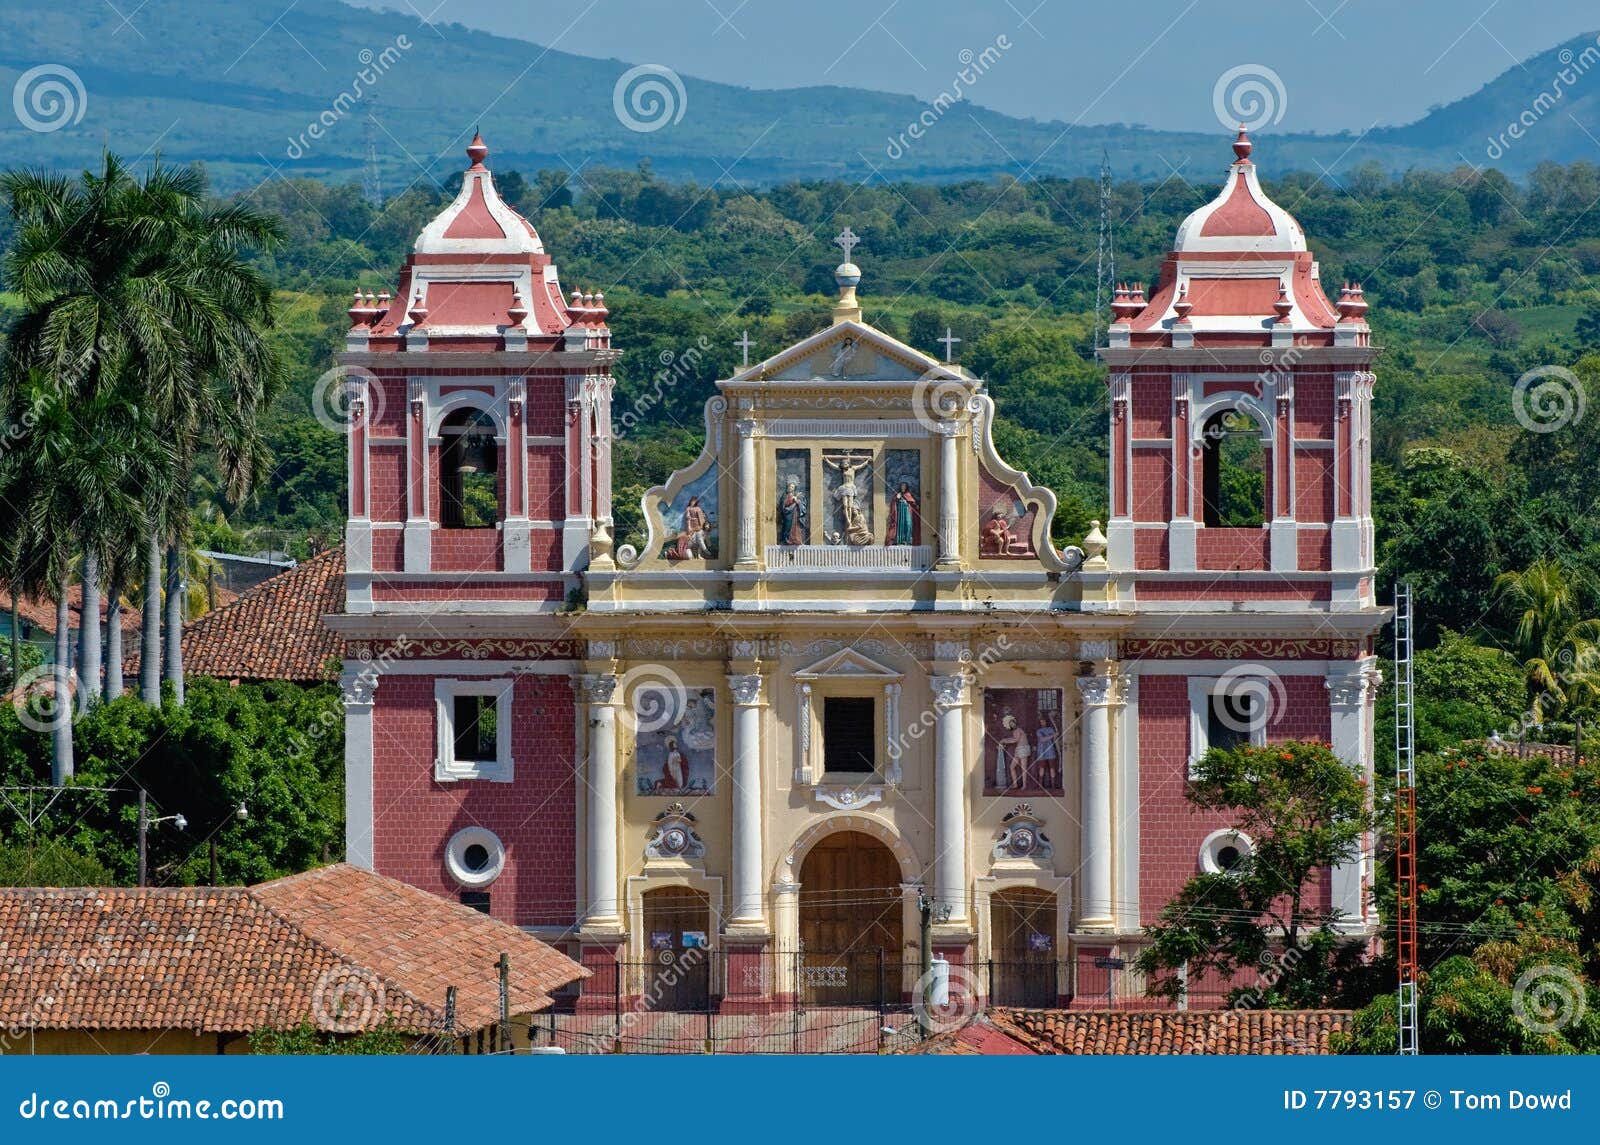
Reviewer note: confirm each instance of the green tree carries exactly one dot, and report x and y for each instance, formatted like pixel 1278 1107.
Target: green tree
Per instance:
pixel 1305 810
pixel 306 1040
pixel 1556 644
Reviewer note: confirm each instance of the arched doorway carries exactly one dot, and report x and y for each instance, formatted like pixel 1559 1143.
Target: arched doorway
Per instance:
pixel 851 926
pixel 1022 925
pixel 677 969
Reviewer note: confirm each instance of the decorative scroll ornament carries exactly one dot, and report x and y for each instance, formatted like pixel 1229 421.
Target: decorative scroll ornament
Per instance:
pixel 1241 649
pixel 674 836
pixel 1022 837
pixel 466 649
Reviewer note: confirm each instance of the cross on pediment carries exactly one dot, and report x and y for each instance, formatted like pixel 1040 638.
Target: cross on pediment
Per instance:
pixel 744 344
pixel 949 341
pixel 847 241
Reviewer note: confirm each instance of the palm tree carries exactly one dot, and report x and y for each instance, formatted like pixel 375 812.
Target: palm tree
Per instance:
pixel 1556 644
pixel 73 471
pixel 142 286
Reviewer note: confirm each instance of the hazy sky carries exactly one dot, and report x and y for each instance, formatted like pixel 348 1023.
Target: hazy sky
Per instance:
pixel 1344 63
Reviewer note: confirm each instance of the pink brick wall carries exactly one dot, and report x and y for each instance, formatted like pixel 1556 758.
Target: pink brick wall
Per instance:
pixel 1152 406
pixel 534 816
pixel 1152 484
pixel 466 550
pixel 387 482
pixel 1315 548
pixel 1170 827
pixel 547 483
pixel 1225 548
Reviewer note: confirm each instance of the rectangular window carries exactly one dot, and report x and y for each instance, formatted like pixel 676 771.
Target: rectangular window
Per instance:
pixel 849 734
pixel 475 729
pixel 474 726
pixel 477 900
pixel 1230 720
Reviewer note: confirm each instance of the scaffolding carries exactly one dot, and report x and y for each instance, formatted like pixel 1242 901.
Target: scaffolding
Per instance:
pixel 1405 803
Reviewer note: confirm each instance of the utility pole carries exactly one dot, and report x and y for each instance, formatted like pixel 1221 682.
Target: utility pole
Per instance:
pixel 145 823
pixel 1105 265
pixel 927 914
pixel 505 1002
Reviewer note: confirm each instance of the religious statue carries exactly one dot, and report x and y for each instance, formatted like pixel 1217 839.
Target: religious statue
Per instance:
pixel 793 526
pixel 903 519
pixel 1013 755
pixel 842 357
pixel 849 493
pixel 693 539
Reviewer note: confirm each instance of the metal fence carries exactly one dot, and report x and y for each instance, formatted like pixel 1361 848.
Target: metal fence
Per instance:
pixel 812 1002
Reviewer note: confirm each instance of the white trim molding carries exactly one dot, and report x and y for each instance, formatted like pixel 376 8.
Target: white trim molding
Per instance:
pixel 446 767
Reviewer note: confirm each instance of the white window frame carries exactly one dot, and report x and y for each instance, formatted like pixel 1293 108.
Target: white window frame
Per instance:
pixel 446 767
pixel 1201 689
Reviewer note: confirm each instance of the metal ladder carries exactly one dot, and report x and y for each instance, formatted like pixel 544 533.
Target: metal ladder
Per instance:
pixel 1405 802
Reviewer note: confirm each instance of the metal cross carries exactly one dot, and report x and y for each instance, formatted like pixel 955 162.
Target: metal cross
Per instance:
pixel 744 344
pixel 949 341
pixel 847 241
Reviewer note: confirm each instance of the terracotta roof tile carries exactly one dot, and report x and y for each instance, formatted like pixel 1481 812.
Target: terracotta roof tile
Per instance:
pixel 1272 1032
pixel 235 959
pixel 40 611
pixel 272 632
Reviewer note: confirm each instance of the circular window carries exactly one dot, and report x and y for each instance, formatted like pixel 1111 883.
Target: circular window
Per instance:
pixel 1223 851
pixel 474 857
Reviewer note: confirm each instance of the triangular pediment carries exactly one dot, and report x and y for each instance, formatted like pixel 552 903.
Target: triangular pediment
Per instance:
pixel 848 351
pixel 847 662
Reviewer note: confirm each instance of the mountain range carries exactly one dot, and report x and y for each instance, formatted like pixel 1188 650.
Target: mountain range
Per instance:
pixel 324 86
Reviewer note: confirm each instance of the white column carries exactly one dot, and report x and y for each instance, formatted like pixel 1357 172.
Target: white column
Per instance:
pixel 1347 709
pixel 746 552
pixel 1098 694
pixel 949 495
pixel 599 690
pixel 950 699
pixel 747 906
pixel 357 688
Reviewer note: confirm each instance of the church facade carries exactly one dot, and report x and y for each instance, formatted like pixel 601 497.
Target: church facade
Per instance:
pixel 851 678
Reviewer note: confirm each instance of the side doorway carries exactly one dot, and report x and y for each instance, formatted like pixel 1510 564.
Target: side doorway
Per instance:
pixel 677 935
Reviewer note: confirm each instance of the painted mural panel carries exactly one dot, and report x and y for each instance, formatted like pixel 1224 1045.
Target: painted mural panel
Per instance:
pixel 691 520
pixel 847 482
pixel 1022 741
pixel 794 497
pixel 675 746
pixel 903 491
pixel 1005 522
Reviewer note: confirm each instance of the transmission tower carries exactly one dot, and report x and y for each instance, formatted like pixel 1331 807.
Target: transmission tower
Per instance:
pixel 1105 268
pixel 371 182
pixel 1405 803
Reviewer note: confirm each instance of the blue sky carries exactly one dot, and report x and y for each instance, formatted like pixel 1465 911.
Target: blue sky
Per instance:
pixel 1344 63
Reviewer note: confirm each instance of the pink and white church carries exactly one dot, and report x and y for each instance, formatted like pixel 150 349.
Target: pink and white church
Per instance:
pixel 844 665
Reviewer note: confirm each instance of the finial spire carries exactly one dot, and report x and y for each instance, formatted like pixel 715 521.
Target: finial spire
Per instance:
pixel 1242 146
pixel 477 150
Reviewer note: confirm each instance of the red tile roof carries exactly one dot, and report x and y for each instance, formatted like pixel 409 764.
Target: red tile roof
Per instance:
pixel 40 611
pixel 339 946
pixel 1271 1032
pixel 272 632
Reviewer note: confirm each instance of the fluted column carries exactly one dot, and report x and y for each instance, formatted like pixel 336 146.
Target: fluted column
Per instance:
pixel 950 699
pixel 1099 696
pixel 1350 686
pixel 949 495
pixel 748 908
pixel 604 909
pixel 746 551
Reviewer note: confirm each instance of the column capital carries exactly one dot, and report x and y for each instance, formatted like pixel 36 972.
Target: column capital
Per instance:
pixel 1349 689
pixel 746 688
pixel 358 687
pixel 950 691
pixel 1100 690
pixel 598 687
pixel 749 427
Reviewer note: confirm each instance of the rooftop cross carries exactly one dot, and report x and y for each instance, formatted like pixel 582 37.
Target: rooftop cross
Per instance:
pixel 744 344
pixel 949 341
pixel 847 240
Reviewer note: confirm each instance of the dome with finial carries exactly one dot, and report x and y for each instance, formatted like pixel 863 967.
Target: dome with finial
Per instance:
pixel 1242 217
